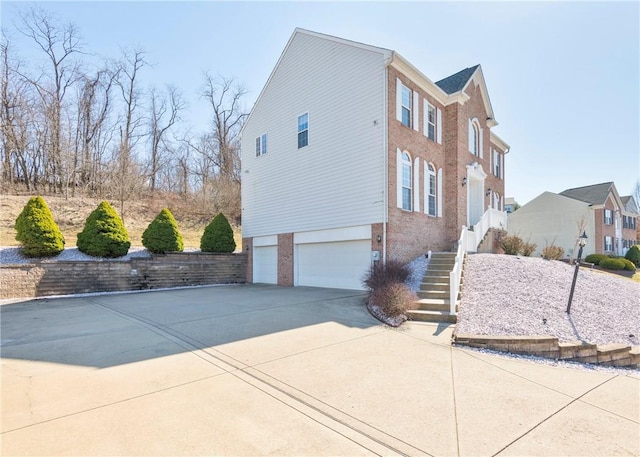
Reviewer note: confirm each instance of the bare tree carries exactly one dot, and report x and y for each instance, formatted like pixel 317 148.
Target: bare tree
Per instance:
pixel 165 112
pixel 94 104
pixel 127 178
pixel 60 44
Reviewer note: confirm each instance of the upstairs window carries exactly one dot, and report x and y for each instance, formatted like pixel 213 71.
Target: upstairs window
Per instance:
pixel 608 217
pixel 431 190
pixel 431 122
pixel 303 130
pixel 406 181
pixel 475 138
pixel 497 164
pixel 406 106
pixel 261 145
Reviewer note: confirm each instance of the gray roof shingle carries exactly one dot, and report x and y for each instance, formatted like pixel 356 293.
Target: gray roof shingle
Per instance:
pixel 594 195
pixel 456 82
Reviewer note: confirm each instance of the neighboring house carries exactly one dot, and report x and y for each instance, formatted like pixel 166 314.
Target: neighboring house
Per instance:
pixel 351 154
pixel 609 220
pixel 509 205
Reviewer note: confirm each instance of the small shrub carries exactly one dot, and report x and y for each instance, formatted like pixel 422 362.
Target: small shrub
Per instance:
pixel 162 235
pixel 528 249
pixel 596 258
pixel 612 264
pixel 393 299
pixel 552 252
pixel 218 236
pixel 628 264
pixel 36 230
pixel 511 245
pixel 633 254
pixel 383 274
pixel 104 233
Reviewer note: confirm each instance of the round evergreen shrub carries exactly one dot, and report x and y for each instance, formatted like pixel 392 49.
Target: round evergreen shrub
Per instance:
pixel 596 258
pixel 104 233
pixel 633 254
pixel 36 230
pixel 612 264
pixel 628 264
pixel 218 236
pixel 162 235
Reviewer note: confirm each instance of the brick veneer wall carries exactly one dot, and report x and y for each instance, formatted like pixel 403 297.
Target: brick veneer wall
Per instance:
pixel 285 259
pixel 169 270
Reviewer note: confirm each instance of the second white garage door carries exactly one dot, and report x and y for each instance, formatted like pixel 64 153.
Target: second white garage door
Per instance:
pixel 337 264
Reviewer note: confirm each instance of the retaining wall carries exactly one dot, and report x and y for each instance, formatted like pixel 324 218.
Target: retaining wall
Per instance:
pixel 615 355
pixel 40 279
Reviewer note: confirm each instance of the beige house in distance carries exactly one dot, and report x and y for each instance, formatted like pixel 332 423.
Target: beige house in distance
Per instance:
pixel 609 220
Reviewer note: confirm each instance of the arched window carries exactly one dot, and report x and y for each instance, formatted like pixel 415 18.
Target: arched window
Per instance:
pixel 475 138
pixel 432 190
pixel 406 181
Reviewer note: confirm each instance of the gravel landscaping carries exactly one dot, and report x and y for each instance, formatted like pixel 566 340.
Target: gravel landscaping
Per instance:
pixel 520 296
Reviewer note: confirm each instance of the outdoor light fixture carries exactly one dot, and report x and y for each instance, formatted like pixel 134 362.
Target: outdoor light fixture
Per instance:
pixel 582 241
pixel 464 181
pixel 378 238
pixel 488 192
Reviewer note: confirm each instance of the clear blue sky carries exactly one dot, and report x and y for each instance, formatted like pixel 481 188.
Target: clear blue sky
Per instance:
pixel 563 77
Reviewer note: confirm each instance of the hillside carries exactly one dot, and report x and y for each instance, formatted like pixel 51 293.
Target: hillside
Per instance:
pixel 70 215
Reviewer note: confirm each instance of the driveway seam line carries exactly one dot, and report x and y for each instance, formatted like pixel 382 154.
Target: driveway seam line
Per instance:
pixel 552 415
pixel 455 404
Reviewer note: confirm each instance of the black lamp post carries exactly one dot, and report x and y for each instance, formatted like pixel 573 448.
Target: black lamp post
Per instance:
pixel 582 240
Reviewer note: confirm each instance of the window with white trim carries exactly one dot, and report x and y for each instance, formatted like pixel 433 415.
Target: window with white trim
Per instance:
pixel 261 145
pixel 303 130
pixel 406 181
pixel 608 244
pixel 608 217
pixel 496 163
pixel 431 122
pixel 406 106
pixel 474 138
pixel 432 210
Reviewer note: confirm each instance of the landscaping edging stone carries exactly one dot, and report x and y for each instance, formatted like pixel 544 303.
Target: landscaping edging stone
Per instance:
pixel 612 355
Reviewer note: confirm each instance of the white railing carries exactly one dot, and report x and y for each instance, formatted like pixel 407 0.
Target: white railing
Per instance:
pixel 469 242
pixel 456 273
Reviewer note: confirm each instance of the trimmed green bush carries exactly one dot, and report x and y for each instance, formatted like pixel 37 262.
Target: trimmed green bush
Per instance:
pixel 612 264
pixel 104 233
pixel 552 252
pixel 218 236
pixel 36 230
pixel 511 245
pixel 628 264
pixel 633 254
pixel 162 235
pixel 596 258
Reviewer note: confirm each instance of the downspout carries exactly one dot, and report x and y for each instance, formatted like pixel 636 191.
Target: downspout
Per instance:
pixel 385 164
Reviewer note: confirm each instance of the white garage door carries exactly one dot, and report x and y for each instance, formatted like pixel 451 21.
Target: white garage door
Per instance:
pixel 338 264
pixel 265 264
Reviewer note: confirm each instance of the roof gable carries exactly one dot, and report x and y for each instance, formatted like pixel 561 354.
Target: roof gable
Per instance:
pixel 596 194
pixel 457 82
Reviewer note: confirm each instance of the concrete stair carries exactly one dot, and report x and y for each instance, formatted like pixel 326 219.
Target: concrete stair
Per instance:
pixel 434 302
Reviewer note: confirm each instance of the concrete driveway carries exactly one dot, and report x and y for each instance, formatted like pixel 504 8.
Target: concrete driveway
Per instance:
pixel 256 370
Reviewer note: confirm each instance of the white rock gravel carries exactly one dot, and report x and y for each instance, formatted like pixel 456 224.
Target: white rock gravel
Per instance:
pixel 12 255
pixel 417 268
pixel 520 296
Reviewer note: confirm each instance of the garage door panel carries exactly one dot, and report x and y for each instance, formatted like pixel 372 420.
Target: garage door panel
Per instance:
pixel 340 265
pixel 265 264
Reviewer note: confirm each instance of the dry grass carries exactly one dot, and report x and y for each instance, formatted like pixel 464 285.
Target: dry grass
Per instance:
pixel 70 215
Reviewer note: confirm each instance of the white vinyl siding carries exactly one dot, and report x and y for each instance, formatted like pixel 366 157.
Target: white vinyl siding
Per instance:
pixel 339 180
